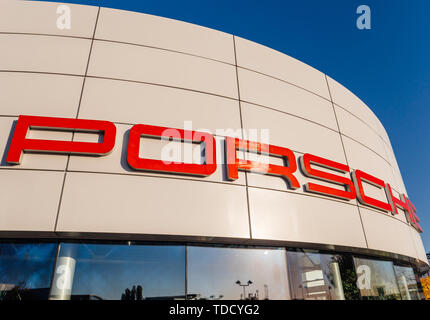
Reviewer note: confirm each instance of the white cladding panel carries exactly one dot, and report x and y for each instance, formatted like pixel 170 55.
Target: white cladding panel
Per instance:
pixel 163 72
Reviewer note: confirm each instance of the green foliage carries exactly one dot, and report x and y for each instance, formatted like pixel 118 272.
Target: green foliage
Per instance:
pixel 348 276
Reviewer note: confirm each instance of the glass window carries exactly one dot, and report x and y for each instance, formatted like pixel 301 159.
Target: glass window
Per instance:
pixel 376 279
pixel 115 272
pixel 25 270
pixel 407 282
pixel 319 276
pixel 237 273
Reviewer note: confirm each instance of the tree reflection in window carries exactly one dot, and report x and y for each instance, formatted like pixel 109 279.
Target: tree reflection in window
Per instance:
pixel 381 282
pixel 25 270
pixel 321 276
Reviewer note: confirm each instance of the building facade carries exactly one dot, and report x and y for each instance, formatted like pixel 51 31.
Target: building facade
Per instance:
pixel 149 158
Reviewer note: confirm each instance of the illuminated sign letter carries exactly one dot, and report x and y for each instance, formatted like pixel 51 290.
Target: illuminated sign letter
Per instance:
pixel 20 143
pixel 394 202
pixel 305 163
pixel 234 164
pixel 143 130
pixel 360 176
pixel 412 216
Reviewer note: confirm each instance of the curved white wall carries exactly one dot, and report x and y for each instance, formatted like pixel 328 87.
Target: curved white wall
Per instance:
pixel 140 68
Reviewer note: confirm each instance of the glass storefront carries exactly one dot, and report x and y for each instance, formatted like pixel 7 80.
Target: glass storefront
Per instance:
pixel 407 281
pixel 320 276
pixel 114 272
pixel 376 279
pixel 130 271
pixel 26 270
pixel 237 273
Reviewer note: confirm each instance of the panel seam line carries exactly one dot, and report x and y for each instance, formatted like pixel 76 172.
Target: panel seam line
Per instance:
pixel 242 132
pixel 77 115
pixel 346 157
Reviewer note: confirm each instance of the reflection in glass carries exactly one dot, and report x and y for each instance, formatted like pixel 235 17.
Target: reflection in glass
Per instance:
pixel 237 273
pixel 318 276
pixel 407 282
pixel 25 270
pixel 114 272
pixel 136 272
pixel 376 279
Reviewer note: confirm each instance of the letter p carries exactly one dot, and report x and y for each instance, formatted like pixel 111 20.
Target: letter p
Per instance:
pixel 21 143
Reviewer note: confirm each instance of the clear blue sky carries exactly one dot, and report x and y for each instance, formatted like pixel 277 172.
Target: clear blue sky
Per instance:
pixel 387 67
